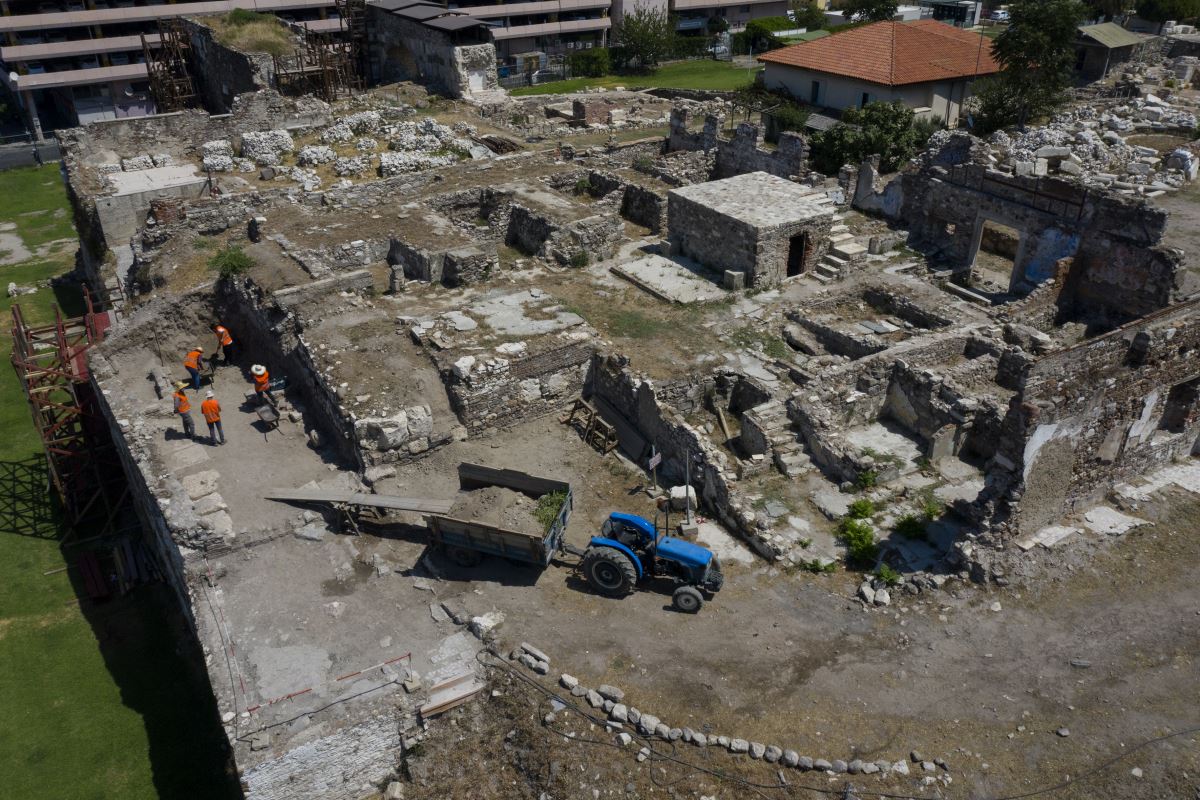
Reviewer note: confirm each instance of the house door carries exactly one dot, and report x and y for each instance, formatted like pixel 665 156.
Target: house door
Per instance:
pixel 797 250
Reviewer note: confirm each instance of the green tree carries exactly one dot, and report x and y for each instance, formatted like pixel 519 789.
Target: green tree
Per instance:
pixel 883 129
pixel 1036 53
pixel 807 15
pixel 1108 8
pixel 870 10
pixel 646 34
pixel 760 37
pixel 1162 10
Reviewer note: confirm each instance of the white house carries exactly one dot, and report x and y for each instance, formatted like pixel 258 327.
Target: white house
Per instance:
pixel 929 66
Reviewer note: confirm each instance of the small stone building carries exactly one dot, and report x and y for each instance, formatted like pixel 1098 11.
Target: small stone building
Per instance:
pixel 447 51
pixel 1100 48
pixel 760 225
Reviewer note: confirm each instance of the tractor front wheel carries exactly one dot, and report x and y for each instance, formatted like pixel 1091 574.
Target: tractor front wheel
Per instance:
pixel 609 571
pixel 687 599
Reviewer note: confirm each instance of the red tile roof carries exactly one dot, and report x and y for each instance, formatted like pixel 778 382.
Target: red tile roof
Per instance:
pixel 894 53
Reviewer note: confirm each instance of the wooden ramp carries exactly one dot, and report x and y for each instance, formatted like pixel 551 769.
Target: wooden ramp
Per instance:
pixel 424 505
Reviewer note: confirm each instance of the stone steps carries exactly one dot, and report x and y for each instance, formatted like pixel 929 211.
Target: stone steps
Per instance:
pixel 848 250
pixel 786 452
pixel 838 238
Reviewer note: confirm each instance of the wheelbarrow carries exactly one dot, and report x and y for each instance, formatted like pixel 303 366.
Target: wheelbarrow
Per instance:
pixel 269 416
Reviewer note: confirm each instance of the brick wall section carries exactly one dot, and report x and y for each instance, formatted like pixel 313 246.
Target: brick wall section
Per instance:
pixel 503 391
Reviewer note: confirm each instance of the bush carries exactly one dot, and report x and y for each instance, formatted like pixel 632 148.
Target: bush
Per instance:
pixel 230 260
pixel 774 24
pixel 866 480
pixel 817 568
pixel 859 538
pixel 643 163
pixel 244 16
pixel 910 526
pixel 582 186
pixel 790 117
pixel 593 63
pixel 861 509
pixel 689 47
pixel 548 506
pixel 579 259
pixel 888 575
pixel 886 129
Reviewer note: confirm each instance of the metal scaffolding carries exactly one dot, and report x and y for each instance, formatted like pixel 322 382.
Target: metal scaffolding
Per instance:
pixel 324 65
pixel 353 16
pixel 85 470
pixel 167 67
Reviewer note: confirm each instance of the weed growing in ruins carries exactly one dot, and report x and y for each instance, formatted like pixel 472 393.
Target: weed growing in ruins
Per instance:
pixel 861 509
pixel 931 507
pixel 866 480
pixel 859 539
pixel 817 568
pixel 882 458
pixel 643 163
pixel 547 508
pixel 583 186
pixel 229 261
pixel 888 575
pixel 805 543
pixel 579 259
pixel 910 526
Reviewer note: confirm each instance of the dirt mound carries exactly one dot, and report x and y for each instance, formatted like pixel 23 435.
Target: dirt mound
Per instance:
pixel 499 507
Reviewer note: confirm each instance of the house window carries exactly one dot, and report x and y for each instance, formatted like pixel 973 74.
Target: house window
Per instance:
pixel 745 9
pixel 815 96
pixel 866 98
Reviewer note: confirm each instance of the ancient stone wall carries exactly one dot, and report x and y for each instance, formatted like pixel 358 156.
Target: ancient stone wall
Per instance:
pixel 222 73
pixel 741 153
pixel 1105 410
pixel 265 326
pixel 401 49
pixel 517 382
pixel 346 764
pixel 591 238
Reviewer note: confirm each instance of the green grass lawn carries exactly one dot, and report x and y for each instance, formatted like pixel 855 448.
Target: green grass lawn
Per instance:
pixel 699 74
pixel 99 700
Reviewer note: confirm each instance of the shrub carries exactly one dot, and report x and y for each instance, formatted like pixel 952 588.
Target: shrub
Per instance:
pixel 593 63
pixel 244 16
pixel 910 526
pixel 790 117
pixel 230 260
pixel 885 129
pixel 548 506
pixel 689 46
pixel 859 538
pixel 861 509
pixel 643 163
pixel 931 507
pixel 866 480
pixel 816 567
pixel 579 259
pixel 888 575
pixel 582 186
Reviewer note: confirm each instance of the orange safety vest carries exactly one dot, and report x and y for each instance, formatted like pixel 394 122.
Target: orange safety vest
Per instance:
pixel 223 336
pixel 211 410
pixel 182 406
pixel 261 382
pixel 193 359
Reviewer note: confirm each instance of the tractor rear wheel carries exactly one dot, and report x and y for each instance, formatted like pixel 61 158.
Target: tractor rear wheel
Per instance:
pixel 687 599
pixel 609 571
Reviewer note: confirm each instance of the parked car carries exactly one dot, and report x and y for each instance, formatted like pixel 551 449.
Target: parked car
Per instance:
pixel 1000 15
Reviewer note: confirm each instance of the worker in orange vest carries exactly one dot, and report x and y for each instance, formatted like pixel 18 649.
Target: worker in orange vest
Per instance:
pixel 262 383
pixel 224 341
pixel 193 362
pixel 184 409
pixel 211 410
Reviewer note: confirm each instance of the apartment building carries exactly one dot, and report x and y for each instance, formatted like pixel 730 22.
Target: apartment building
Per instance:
pixel 69 62
pixel 543 26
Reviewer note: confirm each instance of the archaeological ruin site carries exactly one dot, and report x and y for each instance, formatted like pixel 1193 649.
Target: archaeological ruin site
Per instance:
pixel 899 421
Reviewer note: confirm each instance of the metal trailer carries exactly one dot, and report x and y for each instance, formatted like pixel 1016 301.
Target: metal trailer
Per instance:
pixel 467 543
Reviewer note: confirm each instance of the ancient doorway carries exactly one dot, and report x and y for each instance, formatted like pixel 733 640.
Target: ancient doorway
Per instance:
pixel 797 251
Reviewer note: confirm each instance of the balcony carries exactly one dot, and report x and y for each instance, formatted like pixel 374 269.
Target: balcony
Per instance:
pixel 79 47
pixel 77 77
pixel 501 10
pixel 684 5
pixel 109 16
pixel 551 28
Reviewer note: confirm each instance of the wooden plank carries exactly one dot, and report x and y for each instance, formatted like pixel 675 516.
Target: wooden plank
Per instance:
pixel 450 697
pixel 424 505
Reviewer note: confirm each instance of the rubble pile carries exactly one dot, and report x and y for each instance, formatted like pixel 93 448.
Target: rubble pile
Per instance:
pixel 1090 143
pixel 266 148
pixel 313 154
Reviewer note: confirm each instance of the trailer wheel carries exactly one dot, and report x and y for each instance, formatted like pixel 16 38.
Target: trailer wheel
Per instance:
pixel 609 571
pixel 464 557
pixel 687 599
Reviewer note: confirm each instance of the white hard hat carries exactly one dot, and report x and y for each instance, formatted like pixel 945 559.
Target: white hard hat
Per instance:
pixel 208 393
pixel 258 369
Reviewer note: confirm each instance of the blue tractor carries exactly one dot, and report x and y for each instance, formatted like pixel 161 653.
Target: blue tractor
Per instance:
pixel 632 549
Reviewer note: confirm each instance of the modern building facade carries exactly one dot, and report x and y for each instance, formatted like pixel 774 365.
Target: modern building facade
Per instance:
pixel 69 62
pixel 929 66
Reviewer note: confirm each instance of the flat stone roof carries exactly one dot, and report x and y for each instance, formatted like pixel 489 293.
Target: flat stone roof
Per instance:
pixel 757 198
pixel 146 180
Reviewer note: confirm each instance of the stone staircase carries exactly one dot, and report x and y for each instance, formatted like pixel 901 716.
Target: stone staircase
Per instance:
pixel 786 450
pixel 842 251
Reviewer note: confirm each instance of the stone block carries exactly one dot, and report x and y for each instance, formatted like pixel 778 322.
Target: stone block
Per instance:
pixel 735 280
